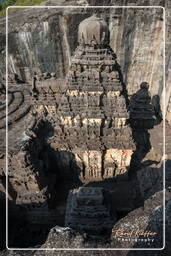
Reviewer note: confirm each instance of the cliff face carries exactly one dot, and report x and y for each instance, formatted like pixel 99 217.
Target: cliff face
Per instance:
pixel 44 41
pixel 140 49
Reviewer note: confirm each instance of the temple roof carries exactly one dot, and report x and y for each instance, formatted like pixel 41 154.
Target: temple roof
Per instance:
pixel 93 30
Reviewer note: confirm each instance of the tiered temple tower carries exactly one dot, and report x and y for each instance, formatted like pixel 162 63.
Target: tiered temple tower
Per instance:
pixel 91 115
pixel 88 210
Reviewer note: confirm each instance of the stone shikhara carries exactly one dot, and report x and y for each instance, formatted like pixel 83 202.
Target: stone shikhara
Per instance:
pixel 90 116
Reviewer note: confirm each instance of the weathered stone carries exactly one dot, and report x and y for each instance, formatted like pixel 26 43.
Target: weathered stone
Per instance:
pixel 88 211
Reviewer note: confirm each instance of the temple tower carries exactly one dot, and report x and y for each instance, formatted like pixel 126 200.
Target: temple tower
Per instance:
pixel 92 113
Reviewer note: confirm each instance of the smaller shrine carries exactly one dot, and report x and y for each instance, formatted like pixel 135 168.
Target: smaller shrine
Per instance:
pixel 142 114
pixel 89 211
pixel 142 118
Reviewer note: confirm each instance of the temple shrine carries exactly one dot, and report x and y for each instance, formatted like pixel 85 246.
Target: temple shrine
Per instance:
pixel 88 108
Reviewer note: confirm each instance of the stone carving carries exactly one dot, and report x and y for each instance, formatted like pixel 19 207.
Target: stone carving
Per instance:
pixel 93 31
pixel 47 89
pixel 18 105
pixel 94 93
pixel 87 210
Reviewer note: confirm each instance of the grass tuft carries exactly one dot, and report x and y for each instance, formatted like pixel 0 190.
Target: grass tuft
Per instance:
pixel 7 3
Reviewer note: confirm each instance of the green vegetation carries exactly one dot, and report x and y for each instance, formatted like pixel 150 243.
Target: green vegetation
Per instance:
pixel 7 3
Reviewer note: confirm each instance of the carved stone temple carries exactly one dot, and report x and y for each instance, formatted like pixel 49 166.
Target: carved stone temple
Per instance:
pixel 88 109
pixel 73 140
pixel 89 203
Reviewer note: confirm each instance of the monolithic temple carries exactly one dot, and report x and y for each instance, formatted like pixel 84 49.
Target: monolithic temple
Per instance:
pixel 91 115
pixel 75 143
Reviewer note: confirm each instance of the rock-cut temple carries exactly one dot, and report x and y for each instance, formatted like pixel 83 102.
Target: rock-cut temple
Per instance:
pixel 89 109
pixel 78 136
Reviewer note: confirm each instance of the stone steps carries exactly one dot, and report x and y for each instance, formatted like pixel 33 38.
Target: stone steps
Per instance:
pixel 15 104
pixel 18 107
pixel 10 99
